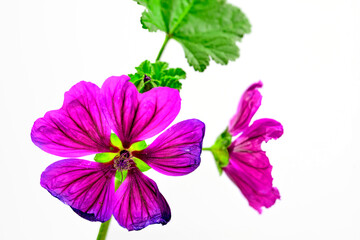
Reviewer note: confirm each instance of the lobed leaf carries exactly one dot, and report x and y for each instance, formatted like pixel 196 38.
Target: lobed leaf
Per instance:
pixel 204 28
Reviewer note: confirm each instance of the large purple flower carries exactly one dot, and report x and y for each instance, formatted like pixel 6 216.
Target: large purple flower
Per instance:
pixel 249 167
pixel 83 125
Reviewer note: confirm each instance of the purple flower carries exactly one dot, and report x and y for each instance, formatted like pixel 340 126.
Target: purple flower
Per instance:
pixel 249 167
pixel 83 125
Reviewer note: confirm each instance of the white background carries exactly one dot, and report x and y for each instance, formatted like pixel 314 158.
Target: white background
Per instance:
pixel 306 53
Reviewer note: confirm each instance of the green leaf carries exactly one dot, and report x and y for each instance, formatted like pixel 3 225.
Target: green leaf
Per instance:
pixel 116 141
pixel 121 175
pixel 150 75
pixel 108 156
pixel 104 157
pixel 141 164
pixel 138 146
pixel 219 150
pixel 204 28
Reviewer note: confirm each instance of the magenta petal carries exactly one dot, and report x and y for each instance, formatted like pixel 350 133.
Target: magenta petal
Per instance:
pixel 252 183
pixel 248 105
pixel 79 128
pixel 139 202
pixel 249 167
pixel 177 151
pixel 87 187
pixel 133 116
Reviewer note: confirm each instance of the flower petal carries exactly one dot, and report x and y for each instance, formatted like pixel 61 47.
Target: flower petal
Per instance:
pixel 133 116
pixel 139 202
pixel 248 105
pixel 87 187
pixel 177 151
pixel 79 128
pixel 249 167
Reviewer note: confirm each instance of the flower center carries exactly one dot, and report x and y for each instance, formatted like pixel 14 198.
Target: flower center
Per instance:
pixel 123 161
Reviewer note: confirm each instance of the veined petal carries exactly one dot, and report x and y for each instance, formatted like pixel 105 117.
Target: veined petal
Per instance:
pixel 261 130
pixel 249 167
pixel 77 129
pixel 87 187
pixel 139 202
pixel 177 151
pixel 248 105
pixel 252 186
pixel 133 116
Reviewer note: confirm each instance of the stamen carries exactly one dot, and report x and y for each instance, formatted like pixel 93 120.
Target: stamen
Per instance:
pixel 125 154
pixel 124 161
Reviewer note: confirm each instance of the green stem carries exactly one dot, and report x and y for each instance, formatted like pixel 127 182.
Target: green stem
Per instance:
pixel 103 230
pixel 171 31
pixel 206 149
pixel 167 38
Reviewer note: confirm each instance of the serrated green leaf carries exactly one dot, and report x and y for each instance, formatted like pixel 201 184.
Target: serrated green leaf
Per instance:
pixel 150 75
pixel 204 28
pixel 144 68
pixel 219 150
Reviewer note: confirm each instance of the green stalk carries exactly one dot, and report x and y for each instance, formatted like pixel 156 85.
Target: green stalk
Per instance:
pixel 167 38
pixel 103 230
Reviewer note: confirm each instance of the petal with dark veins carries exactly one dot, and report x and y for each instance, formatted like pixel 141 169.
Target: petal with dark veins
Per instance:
pixel 176 151
pixel 87 187
pixel 249 103
pixel 78 128
pixel 139 202
pixel 249 167
pixel 133 116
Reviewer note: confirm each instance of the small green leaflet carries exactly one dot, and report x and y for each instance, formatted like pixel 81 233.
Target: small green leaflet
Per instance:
pixel 120 178
pixel 204 28
pixel 138 146
pixel 108 156
pixel 150 75
pixel 141 165
pixel 121 175
pixel 219 150
pixel 104 157
pixel 116 141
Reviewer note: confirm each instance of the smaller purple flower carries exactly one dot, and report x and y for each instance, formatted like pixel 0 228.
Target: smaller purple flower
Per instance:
pixel 83 126
pixel 243 160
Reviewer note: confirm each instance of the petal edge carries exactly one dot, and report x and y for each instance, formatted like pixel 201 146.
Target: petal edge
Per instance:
pixel 249 103
pixel 87 187
pixel 139 202
pixel 176 151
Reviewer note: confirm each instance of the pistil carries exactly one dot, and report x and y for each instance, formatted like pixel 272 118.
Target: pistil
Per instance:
pixel 124 161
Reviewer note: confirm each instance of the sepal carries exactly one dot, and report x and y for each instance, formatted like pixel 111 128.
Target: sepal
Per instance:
pixel 150 75
pixel 220 150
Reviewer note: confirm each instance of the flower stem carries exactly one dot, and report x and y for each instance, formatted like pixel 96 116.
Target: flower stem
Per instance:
pixel 206 149
pixel 167 38
pixel 103 230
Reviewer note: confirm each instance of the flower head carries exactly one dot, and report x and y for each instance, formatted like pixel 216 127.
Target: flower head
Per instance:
pixel 243 160
pixel 82 126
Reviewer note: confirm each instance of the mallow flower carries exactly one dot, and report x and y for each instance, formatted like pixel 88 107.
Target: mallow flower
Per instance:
pixel 82 126
pixel 243 160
